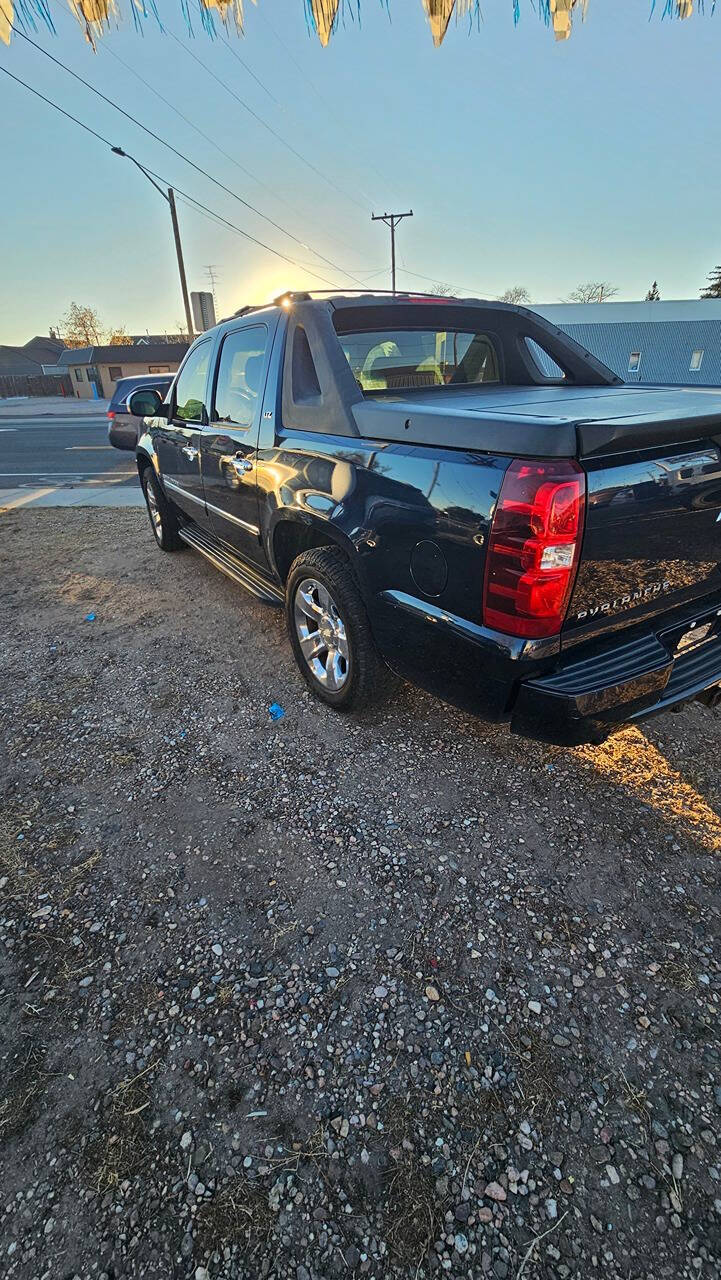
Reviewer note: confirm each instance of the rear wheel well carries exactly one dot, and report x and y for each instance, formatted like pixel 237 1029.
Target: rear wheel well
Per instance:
pixel 142 461
pixel 290 538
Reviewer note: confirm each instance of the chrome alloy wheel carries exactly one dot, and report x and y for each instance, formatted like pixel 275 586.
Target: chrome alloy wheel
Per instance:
pixel 156 519
pixel 321 633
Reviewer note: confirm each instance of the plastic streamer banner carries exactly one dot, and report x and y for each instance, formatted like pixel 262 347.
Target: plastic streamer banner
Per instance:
pixel 322 16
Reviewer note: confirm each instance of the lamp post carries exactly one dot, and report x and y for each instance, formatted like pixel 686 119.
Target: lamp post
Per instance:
pixel 170 198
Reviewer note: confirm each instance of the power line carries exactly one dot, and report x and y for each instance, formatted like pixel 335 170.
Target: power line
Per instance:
pixel 251 73
pixel 309 83
pixel 62 111
pixel 226 222
pixel 281 199
pixel 479 293
pixel 278 136
pixel 191 203
pixel 151 133
pixel 219 217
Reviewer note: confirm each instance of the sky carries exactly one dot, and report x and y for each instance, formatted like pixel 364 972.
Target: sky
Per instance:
pixel 525 161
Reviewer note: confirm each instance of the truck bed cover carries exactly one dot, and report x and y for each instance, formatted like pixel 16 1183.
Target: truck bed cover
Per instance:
pixel 543 422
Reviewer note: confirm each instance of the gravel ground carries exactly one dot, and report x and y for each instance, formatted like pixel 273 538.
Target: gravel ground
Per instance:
pixel 323 997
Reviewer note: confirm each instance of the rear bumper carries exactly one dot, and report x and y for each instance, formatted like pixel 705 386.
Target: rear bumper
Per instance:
pixel 562 696
pixel 123 432
pixel 597 693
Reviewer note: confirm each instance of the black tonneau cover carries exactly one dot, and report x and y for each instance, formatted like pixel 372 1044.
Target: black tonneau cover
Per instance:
pixel 544 422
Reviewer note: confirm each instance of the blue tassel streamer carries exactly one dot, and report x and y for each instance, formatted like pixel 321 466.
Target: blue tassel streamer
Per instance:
pixel 28 14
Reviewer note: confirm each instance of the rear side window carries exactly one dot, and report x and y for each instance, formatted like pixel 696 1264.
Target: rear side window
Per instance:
pixel 240 373
pixel 545 364
pixel 405 359
pixel 306 386
pixel 190 387
pixel 121 393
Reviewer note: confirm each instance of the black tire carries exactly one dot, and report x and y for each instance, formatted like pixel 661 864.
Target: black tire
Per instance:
pixel 163 520
pixel 364 674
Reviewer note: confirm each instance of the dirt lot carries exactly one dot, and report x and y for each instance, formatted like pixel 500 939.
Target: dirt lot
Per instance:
pixel 322 997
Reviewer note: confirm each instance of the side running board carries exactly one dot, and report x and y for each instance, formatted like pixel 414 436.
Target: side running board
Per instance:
pixel 230 564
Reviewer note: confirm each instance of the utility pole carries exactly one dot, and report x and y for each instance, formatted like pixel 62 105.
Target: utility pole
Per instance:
pixel 391 220
pixel 170 198
pixel 181 264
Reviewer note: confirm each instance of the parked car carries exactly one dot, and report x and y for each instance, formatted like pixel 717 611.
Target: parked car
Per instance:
pixel 455 489
pixel 123 425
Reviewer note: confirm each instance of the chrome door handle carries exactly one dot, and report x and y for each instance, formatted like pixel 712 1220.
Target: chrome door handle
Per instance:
pixel 241 465
pixel 190 452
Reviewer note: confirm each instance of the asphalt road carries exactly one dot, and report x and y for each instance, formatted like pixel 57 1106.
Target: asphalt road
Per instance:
pixel 61 451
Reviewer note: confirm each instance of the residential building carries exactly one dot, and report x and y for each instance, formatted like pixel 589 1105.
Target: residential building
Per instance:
pixel 95 370
pixel 648 342
pixel 22 369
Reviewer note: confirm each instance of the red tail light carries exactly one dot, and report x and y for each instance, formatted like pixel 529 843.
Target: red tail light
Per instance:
pixel 533 548
pixel 111 413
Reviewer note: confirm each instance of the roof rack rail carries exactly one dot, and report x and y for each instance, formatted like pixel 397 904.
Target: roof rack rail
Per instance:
pixel 307 295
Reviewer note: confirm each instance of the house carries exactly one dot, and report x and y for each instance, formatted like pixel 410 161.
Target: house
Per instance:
pixel 22 369
pixel 95 370
pixel 648 342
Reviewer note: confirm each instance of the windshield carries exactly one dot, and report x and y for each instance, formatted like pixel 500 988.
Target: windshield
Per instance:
pixel 404 359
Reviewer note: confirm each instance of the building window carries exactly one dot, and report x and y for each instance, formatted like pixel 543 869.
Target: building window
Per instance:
pixel 114 372
pixel 696 359
pixel 158 368
pixel 634 362
pixel 78 375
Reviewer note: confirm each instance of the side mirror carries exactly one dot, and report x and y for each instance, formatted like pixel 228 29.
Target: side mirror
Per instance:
pixel 144 403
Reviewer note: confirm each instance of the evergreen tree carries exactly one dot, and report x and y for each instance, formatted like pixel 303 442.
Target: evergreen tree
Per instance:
pixel 713 288
pixel 653 294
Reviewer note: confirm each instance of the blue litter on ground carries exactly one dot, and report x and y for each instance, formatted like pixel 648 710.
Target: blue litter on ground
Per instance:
pixel 275 711
pixel 90 617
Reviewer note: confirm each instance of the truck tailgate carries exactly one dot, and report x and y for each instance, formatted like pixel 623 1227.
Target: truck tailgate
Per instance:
pixel 652 538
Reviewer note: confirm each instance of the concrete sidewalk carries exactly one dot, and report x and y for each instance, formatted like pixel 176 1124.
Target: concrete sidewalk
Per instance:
pixel 85 495
pixel 52 407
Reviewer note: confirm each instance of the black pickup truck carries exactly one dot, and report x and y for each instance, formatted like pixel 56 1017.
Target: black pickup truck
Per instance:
pixel 456 490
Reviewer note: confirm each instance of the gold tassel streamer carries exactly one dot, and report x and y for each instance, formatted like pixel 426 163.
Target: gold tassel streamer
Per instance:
pixel 324 15
pixel 6 20
pixel 228 9
pixel 439 15
pixel 562 15
pixel 93 15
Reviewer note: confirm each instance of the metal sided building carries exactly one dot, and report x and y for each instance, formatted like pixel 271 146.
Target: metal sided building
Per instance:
pixel 651 342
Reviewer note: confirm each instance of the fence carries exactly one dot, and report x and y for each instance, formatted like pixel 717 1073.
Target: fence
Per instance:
pixel 41 384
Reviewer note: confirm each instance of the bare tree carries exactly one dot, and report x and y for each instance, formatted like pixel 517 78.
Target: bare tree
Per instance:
pixel 118 337
pixel 81 327
pixel 442 291
pixel 593 291
pixel 517 294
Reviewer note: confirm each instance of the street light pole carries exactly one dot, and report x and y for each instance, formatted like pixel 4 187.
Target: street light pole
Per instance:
pixel 181 264
pixel 170 199
pixel 391 220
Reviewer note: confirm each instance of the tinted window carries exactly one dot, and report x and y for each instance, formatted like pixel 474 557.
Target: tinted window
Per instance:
pixel 545 363
pixel 240 374
pixel 126 385
pixel 400 359
pixel 190 387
